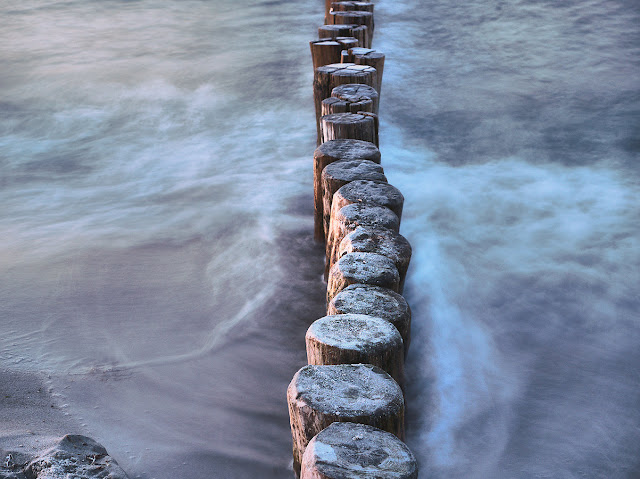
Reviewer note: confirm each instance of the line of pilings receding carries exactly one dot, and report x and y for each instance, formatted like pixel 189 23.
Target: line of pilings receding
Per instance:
pixel 346 407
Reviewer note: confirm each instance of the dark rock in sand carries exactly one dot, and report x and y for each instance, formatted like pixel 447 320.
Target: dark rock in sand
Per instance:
pixel 75 456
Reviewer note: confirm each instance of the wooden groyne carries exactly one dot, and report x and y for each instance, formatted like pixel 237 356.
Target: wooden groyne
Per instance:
pixel 346 407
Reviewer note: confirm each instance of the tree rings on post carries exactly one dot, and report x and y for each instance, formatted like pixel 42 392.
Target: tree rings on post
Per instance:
pixel 339 173
pixel 351 30
pixel 320 395
pixel 366 56
pixel 356 339
pixel 327 77
pixel 327 153
pixel 357 451
pixel 354 17
pixel 354 93
pixel 362 268
pixel 382 302
pixel 382 241
pixel 357 126
pixel 358 6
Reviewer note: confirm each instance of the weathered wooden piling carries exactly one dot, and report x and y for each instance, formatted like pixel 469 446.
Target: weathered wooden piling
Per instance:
pixel 382 241
pixel 327 153
pixel 327 77
pixel 365 56
pixel 369 299
pixel 357 126
pixel 355 94
pixel 328 50
pixel 358 6
pixel 357 451
pixel 356 339
pixel 362 393
pixel 339 173
pixel 346 104
pixel 347 219
pixel 359 32
pixel 370 192
pixel 354 17
pixel 362 268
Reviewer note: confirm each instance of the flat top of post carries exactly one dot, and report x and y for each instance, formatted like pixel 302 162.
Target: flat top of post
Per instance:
pixel 349 149
pixel 347 390
pixel 357 214
pixel 349 450
pixel 362 298
pixel 355 332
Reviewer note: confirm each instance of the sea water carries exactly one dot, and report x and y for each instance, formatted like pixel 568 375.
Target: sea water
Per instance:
pixel 157 259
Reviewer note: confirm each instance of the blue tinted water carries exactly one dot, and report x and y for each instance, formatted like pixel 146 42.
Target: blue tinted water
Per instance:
pixel 157 259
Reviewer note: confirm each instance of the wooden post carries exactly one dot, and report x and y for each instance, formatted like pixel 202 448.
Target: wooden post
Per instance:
pixel 326 154
pixel 358 6
pixel 327 77
pixel 356 339
pixel 362 268
pixel 360 393
pixel 382 302
pixel 358 126
pixel 372 192
pixel 347 219
pixel 354 92
pixel 327 50
pixel 382 241
pixel 352 30
pixel 365 56
pixel 357 17
pixel 346 105
pixel 339 173
pixel 357 451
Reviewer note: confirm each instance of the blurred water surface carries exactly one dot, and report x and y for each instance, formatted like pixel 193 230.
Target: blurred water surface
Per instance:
pixel 157 257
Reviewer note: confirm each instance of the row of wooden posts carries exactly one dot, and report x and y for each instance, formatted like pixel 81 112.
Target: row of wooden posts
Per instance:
pixel 346 406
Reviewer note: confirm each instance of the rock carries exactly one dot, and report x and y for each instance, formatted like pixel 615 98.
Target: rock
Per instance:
pixel 77 457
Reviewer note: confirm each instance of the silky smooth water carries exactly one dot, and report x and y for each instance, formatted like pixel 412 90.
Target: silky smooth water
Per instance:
pixel 157 259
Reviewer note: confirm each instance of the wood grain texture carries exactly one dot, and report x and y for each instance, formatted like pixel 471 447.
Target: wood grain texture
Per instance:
pixel 327 77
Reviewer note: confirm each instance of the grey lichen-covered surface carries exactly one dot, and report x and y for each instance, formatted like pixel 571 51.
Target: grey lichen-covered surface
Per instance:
pixel 347 450
pixel 371 192
pixel 369 299
pixel 348 218
pixel 356 338
pixel 381 241
pixel 362 268
pixel 327 153
pixel 339 173
pixel 362 393
pixel 73 457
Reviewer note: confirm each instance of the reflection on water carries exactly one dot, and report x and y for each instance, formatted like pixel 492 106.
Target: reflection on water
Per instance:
pixel 157 258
